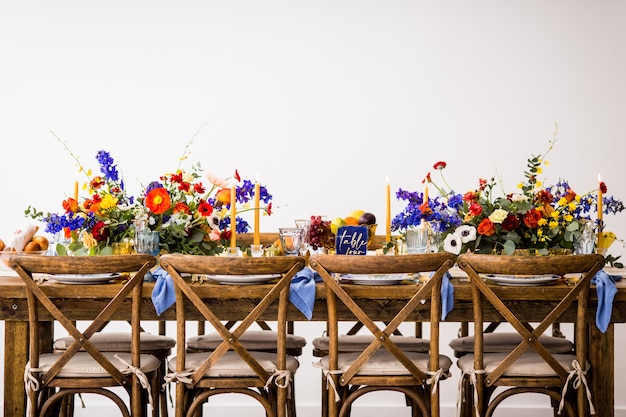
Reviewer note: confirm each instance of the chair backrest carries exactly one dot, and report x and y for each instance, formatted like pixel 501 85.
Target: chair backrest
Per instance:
pixel 135 266
pixel 424 297
pixel 485 296
pixel 178 266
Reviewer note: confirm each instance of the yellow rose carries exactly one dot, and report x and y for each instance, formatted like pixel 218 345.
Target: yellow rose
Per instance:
pixel 498 216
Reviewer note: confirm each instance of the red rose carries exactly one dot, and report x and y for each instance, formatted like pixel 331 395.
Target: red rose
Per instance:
pixel 469 196
pixel 100 232
pixel 603 187
pixel 510 223
pixel 532 217
pixel 475 209
pixel 486 227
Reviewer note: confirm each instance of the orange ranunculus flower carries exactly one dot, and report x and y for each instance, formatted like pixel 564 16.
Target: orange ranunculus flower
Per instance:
pixel 425 208
pixel 486 227
pixel 223 195
pixel 181 207
pixel 70 205
pixel 158 200
pixel 570 196
pixel 532 217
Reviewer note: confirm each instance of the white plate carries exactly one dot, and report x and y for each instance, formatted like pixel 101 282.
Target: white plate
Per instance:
pixel 523 280
pixel 376 279
pixel 84 278
pixel 242 279
pixel 616 272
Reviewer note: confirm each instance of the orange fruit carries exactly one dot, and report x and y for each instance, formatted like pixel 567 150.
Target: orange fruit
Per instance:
pixel 2 245
pixel 351 221
pixel 42 241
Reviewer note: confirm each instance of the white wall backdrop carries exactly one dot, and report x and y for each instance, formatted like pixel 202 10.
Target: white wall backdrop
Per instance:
pixel 321 99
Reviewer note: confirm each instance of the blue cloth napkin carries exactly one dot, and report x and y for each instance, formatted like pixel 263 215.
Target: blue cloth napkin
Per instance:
pixel 302 291
pixel 447 295
pixel 606 290
pixel 163 295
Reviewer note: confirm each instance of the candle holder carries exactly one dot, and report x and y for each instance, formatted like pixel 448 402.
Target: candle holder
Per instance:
pixel 256 251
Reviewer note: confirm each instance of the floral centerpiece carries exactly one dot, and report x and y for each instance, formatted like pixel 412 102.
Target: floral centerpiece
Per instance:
pixel 537 218
pixel 90 226
pixel 192 217
pixel 189 216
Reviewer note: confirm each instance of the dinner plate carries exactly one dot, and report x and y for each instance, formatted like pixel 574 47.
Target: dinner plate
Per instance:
pixel 83 278
pixel 616 273
pixel 242 279
pixel 522 280
pixel 376 279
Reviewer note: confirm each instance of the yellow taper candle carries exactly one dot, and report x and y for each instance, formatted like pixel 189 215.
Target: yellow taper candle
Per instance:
pixel 257 213
pixel 388 208
pixel 600 209
pixel 426 194
pixel 233 216
pixel 76 190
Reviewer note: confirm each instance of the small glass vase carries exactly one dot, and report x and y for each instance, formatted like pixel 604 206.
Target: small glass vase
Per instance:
pixel 585 243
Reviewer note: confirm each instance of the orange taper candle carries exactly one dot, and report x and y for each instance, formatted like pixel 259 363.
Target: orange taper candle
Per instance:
pixel 600 209
pixel 233 216
pixel 388 207
pixel 257 213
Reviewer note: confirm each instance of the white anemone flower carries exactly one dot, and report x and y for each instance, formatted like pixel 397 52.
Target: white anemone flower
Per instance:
pixel 452 243
pixel 466 233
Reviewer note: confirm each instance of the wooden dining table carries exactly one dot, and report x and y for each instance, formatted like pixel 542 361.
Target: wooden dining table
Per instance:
pixel 82 301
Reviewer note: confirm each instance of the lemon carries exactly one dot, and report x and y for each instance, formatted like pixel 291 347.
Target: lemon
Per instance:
pixel 336 224
pixel 356 214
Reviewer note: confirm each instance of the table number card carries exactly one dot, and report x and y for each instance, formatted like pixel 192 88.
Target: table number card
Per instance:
pixel 351 240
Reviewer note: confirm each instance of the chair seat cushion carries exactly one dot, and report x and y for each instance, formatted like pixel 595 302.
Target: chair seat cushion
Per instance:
pixel 83 365
pixel 120 342
pixel 252 340
pixel 507 341
pixel 530 364
pixel 384 363
pixel 231 364
pixel 358 342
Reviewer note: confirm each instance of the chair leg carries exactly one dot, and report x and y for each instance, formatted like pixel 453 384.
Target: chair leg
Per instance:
pixel 324 397
pixel 291 400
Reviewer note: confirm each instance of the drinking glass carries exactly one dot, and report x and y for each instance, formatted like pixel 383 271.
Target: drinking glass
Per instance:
pixel 147 241
pixel 291 239
pixel 417 239
pixel 306 225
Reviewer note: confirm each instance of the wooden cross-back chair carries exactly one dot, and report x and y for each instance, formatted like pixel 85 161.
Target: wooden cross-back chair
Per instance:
pixel 82 368
pixel 231 368
pixel 382 365
pixel 529 366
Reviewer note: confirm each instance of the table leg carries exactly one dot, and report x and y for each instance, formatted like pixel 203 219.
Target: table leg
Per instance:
pixel 15 358
pixel 602 357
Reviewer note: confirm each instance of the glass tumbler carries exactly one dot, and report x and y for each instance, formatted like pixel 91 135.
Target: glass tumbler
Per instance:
pixel 291 239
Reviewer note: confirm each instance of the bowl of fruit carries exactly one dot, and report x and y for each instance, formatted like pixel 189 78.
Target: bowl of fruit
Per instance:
pixel 322 232
pixel 36 245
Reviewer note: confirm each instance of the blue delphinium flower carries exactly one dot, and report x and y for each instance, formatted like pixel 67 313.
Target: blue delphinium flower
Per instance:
pixel 107 166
